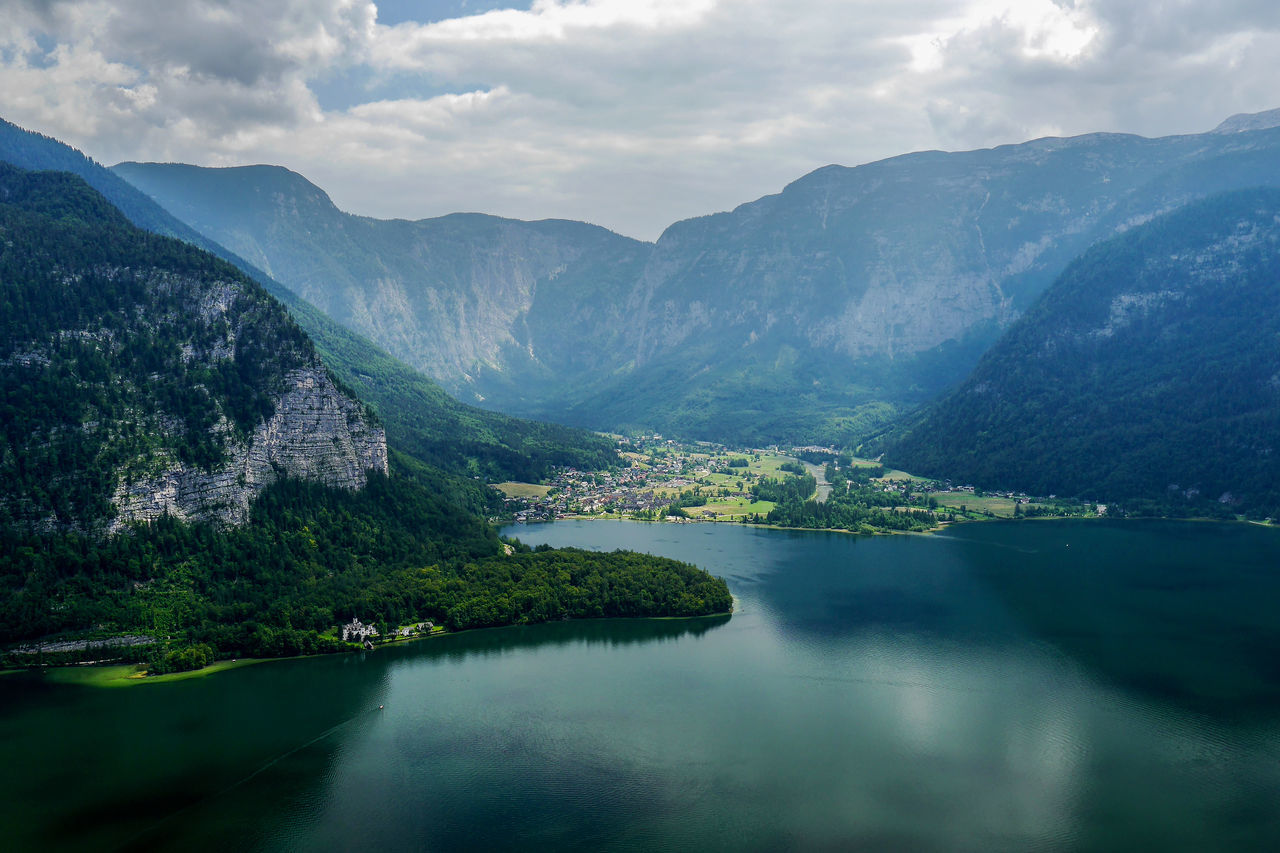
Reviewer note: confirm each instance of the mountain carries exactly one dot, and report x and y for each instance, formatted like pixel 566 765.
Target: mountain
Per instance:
pixel 1147 373
pixel 176 462
pixel 37 152
pixel 420 418
pixel 142 377
pixel 452 295
pixel 817 314
pixel 1241 122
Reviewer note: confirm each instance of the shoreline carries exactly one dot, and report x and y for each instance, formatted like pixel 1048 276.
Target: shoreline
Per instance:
pixel 117 675
pixel 942 525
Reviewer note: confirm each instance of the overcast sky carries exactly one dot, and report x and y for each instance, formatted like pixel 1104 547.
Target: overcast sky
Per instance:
pixel 627 113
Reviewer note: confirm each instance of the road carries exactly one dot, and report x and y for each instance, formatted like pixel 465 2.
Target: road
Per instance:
pixel 819 473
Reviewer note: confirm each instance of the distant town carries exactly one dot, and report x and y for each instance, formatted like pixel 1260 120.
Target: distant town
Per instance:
pixel 670 480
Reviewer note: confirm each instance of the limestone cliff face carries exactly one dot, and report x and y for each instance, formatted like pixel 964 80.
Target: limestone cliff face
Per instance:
pixel 453 296
pixel 141 376
pixel 317 433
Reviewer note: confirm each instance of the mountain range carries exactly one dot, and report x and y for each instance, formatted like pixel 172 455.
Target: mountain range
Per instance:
pixel 820 314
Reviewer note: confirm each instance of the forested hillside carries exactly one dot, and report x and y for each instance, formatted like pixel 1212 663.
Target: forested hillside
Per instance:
pixel 421 419
pixel 1149 373
pixel 141 376
pixel 176 461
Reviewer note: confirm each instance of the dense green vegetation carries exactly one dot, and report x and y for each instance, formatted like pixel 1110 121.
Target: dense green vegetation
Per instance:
pixel 785 489
pixel 109 351
pixel 312 557
pixel 853 504
pixel 1145 377
pixel 420 418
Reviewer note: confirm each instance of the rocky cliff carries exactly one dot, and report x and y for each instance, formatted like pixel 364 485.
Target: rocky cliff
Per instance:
pixel 316 433
pixel 456 296
pixel 140 376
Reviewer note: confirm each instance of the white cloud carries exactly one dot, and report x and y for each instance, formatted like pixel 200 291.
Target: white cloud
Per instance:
pixel 629 113
pixel 548 20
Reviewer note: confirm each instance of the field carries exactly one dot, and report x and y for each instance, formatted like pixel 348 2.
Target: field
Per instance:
pixel 732 508
pixel 522 490
pixel 126 675
pixel 999 507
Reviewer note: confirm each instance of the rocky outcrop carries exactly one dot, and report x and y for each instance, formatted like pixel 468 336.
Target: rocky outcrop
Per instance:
pixel 146 378
pixel 317 433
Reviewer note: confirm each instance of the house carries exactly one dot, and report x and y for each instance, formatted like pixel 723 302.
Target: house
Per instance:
pixel 356 631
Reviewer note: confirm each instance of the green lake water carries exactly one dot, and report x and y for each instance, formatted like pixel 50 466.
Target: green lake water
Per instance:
pixel 1022 686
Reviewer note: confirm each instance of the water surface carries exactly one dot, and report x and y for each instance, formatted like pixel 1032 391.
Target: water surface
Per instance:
pixel 1052 686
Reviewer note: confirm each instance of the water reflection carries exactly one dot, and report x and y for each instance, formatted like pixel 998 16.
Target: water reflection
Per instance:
pixel 608 633
pixel 1182 613
pixel 141 766
pixel 975 692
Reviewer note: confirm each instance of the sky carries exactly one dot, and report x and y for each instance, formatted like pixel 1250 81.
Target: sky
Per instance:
pixel 631 114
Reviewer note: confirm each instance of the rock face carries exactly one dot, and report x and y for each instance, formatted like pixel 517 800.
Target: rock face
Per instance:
pixel 810 315
pixel 317 433
pixel 140 376
pixel 455 296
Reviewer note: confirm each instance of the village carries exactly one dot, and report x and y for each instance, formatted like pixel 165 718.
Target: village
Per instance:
pixel 715 484
pixel 658 472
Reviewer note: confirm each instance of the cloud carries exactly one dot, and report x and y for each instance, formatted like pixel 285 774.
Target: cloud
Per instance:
pixel 629 113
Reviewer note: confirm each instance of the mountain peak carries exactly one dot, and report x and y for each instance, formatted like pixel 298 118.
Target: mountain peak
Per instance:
pixel 1242 122
pixel 234 185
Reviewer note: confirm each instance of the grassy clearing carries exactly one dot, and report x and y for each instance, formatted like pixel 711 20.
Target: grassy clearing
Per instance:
pixel 769 464
pixel 999 507
pixel 523 490
pixel 727 481
pixel 901 476
pixel 733 507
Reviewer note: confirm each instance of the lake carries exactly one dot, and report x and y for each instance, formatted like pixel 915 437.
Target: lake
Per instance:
pixel 1004 686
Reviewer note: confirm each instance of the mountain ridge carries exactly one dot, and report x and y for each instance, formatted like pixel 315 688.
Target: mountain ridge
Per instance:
pixel 818 313
pixel 419 416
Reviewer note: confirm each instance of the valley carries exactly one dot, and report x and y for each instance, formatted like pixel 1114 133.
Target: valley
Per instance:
pixel 629 426
pixel 682 482
pixel 834 323
pixel 824 314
